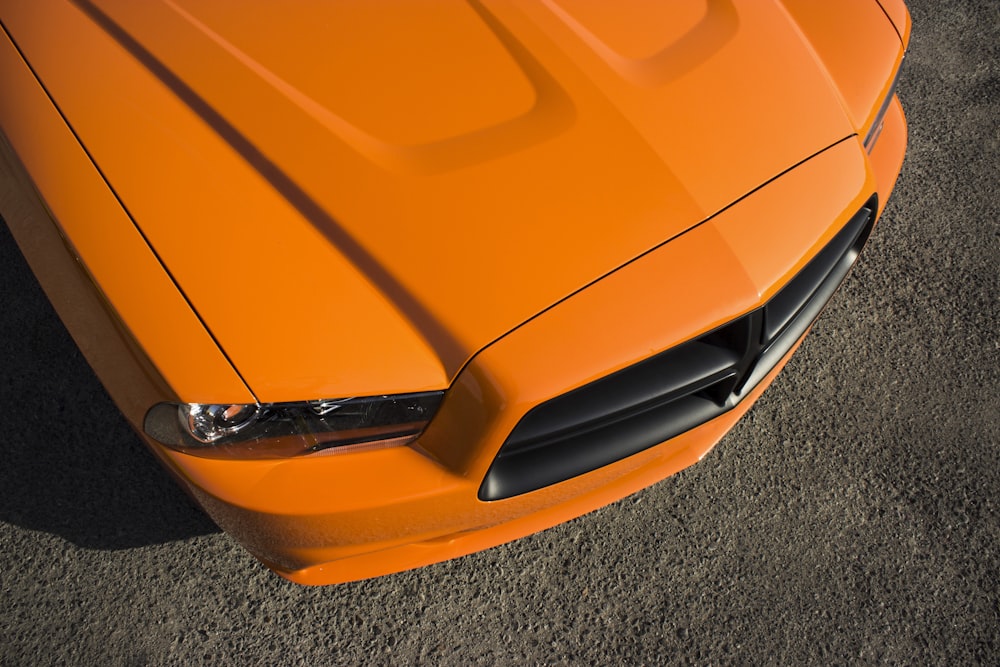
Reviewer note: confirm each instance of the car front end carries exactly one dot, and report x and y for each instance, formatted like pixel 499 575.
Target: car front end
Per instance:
pixel 381 306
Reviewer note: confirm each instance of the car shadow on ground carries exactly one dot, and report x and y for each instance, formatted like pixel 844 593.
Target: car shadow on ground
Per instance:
pixel 72 466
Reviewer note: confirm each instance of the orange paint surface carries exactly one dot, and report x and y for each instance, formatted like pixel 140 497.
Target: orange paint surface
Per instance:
pixel 502 200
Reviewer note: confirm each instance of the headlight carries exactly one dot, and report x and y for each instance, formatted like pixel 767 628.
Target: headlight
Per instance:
pixel 876 128
pixel 279 430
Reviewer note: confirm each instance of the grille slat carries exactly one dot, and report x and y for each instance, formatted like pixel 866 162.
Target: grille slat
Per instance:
pixel 663 396
pixel 684 370
pixel 786 304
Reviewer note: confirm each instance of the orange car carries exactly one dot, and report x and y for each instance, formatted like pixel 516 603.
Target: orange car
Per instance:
pixel 385 283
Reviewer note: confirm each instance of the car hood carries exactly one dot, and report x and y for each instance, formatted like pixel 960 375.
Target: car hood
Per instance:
pixel 357 197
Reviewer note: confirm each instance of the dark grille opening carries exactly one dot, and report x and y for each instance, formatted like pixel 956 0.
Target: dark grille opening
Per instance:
pixel 796 295
pixel 674 391
pixel 788 314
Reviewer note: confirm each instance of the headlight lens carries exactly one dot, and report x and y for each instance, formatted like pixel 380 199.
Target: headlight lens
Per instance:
pixel 876 128
pixel 280 430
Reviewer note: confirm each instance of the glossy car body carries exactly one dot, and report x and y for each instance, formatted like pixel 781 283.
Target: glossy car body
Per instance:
pixel 299 201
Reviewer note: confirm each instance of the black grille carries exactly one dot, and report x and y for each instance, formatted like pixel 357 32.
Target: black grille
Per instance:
pixel 674 391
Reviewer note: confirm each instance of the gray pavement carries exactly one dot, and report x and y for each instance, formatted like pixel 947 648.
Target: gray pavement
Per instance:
pixel 851 517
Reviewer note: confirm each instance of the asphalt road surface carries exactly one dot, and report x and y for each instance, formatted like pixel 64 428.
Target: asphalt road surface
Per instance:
pixel 851 517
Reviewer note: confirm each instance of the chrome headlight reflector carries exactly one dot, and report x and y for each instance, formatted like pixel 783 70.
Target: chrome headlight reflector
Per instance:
pixel 281 430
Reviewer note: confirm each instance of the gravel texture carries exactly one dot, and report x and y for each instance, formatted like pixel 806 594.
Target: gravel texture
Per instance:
pixel 850 517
